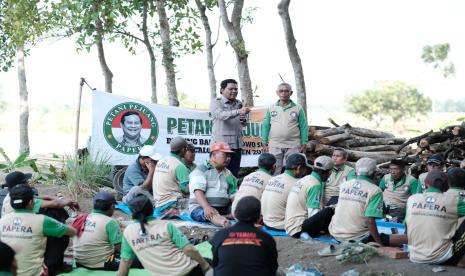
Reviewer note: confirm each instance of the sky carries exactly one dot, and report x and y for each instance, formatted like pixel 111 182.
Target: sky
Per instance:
pixel 345 46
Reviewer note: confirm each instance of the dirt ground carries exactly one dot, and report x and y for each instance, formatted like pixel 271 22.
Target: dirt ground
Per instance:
pixel 292 251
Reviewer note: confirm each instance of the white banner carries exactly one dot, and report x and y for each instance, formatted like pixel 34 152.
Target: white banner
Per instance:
pixel 120 126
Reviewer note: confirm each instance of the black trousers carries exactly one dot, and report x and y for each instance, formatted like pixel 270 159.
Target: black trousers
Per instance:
pixel 317 224
pixel 55 248
pixel 235 163
pixel 459 245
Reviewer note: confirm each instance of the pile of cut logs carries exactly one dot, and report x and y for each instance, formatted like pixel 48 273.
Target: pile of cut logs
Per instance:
pixel 383 146
pixel 449 142
pixel 358 142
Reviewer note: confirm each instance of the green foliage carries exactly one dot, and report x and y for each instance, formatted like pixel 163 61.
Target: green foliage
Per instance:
pixel 23 161
pixel 22 23
pixel 357 253
pixel 394 100
pixel 84 176
pixel 80 17
pixel 437 55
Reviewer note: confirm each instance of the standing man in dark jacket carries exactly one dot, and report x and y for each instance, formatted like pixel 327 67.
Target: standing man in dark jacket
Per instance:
pixel 243 249
pixel 228 118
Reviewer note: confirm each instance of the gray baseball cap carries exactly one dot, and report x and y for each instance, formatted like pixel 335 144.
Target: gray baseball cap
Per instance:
pixel 365 166
pixel 178 143
pixel 324 163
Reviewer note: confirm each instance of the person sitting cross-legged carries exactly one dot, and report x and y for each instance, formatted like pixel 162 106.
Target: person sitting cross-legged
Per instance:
pixel 275 195
pixel 360 203
pixel 434 235
pixel 212 187
pixel 158 244
pixel 305 201
pixel 243 249
pixel 397 186
pixel 254 183
pixel 99 244
pixel 456 178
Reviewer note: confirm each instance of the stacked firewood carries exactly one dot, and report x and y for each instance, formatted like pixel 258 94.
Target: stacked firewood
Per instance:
pixel 358 142
pixel 448 142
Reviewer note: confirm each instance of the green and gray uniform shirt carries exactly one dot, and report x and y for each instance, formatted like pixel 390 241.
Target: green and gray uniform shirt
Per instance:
pixel 219 186
pixel 303 201
pixel 359 198
pixel 160 250
pixel 27 234
pixel 396 193
pixel 97 242
pixel 285 127
pixel 338 175
pixel 431 221
pixel 170 180
pixel 274 199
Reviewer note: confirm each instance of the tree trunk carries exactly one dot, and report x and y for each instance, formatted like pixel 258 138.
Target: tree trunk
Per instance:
pixel 362 142
pixel 107 74
pixel 380 157
pixel 328 140
pixel 283 9
pixel 233 29
pixel 153 75
pixel 168 58
pixel 208 48
pixel 23 102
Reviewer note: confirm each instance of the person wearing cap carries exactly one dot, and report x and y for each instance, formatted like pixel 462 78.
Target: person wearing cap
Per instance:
pixel 27 232
pixel 140 172
pixel 8 264
pixel 228 118
pixel 397 186
pixel 100 241
pixel 341 173
pixel 189 157
pixel 40 203
pixel 159 245
pixel 434 163
pixel 244 249
pixel 212 187
pixel 360 203
pixel 285 128
pixel 305 201
pixel 274 197
pixel 434 235
pixel 456 180
pixel 254 183
pixel 171 180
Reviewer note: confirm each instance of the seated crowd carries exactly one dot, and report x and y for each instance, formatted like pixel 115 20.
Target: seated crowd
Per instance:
pixel 327 198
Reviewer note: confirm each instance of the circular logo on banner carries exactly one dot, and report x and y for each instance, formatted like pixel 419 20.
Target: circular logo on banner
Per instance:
pixel 128 126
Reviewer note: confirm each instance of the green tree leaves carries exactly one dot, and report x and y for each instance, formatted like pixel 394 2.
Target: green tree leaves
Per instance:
pixel 394 100
pixel 437 55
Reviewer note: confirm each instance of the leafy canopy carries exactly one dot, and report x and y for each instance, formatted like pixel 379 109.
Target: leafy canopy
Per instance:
pixel 395 100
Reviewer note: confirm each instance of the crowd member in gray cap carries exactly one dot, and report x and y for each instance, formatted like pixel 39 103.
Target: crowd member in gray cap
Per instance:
pixel 140 172
pixel 360 203
pixel 305 201
pixel 189 157
pixel 99 242
pixel 434 235
pixel 274 197
pixel 243 249
pixel 171 180
pixel 434 163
